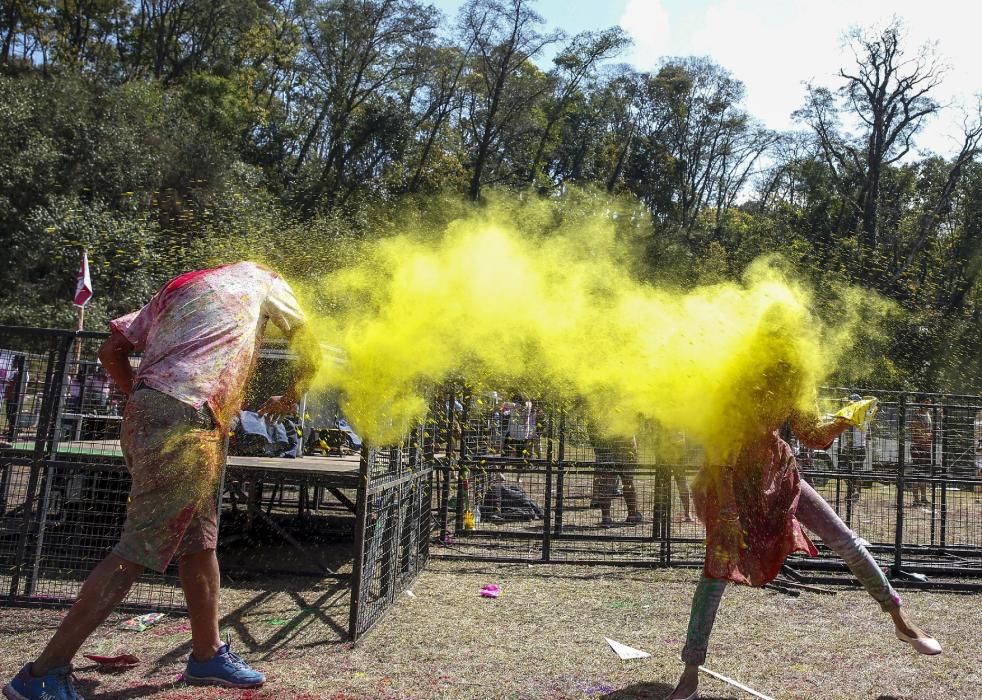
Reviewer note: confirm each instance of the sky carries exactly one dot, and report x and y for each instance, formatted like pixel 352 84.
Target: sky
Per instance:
pixel 774 46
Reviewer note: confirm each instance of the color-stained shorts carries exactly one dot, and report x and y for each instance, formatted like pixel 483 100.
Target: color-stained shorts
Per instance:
pixel 174 454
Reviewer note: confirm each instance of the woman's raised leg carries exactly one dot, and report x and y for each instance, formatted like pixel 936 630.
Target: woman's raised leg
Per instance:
pixel 817 515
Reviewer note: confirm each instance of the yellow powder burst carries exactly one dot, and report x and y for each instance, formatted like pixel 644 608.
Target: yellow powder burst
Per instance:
pixel 490 297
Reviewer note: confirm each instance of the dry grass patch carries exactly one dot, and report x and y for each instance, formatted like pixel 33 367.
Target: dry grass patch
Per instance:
pixel 543 638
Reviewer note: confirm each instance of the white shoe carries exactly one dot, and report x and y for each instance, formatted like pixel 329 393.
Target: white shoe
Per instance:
pixel 923 645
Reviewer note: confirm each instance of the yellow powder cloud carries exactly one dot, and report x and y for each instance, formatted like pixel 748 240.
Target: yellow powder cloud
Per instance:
pixel 517 294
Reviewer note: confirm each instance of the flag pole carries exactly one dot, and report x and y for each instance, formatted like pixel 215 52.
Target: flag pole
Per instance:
pixel 78 341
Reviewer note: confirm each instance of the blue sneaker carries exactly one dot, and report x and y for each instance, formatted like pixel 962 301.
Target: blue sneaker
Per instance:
pixel 56 684
pixel 225 669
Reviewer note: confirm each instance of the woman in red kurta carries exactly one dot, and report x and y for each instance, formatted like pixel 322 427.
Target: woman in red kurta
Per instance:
pixel 753 509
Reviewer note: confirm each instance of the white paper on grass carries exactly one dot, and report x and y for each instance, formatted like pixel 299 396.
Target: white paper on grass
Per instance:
pixel 626 652
pixel 735 684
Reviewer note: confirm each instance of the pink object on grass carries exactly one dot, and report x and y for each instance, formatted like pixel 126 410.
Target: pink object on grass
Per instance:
pixel 120 661
pixel 492 590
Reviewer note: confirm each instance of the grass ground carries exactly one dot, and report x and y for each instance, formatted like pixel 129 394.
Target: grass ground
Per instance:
pixel 543 638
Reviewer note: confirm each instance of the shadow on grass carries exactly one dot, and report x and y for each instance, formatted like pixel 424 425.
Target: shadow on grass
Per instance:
pixel 257 551
pixel 172 691
pixel 90 689
pixel 652 691
pixel 329 610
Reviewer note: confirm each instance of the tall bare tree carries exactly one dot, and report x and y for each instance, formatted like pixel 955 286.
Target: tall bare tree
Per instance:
pixel 889 94
pixel 711 141
pixel 941 203
pixel 505 35
pixel 355 53
pixel 576 64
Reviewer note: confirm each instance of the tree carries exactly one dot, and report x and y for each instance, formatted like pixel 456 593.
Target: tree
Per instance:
pixel 707 143
pixel 355 54
pixel 574 65
pixel 23 22
pixel 505 37
pixel 170 134
pixel 86 32
pixel 442 95
pixel 890 96
pixel 175 38
pixel 941 201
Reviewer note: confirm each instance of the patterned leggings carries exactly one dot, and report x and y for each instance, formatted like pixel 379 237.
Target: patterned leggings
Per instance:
pixel 816 515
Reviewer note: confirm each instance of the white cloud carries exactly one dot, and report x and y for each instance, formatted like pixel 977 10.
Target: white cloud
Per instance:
pixel 646 22
pixel 773 46
pixel 771 49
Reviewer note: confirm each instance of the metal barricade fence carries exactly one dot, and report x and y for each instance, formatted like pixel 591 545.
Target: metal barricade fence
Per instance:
pixel 392 533
pixel 911 486
pixel 63 481
pixel 484 485
pixel 64 485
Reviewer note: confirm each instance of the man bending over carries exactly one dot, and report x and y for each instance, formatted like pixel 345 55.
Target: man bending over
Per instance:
pixel 199 336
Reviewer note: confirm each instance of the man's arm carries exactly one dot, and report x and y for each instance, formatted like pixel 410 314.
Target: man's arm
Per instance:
pixel 305 345
pixel 115 357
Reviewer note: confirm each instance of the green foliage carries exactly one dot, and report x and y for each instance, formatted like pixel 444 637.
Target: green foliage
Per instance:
pixel 249 223
pixel 126 263
pixel 167 136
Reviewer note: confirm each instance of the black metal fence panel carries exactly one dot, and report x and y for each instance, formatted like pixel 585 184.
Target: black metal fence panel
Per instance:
pixel 392 533
pixel 64 485
pixel 29 365
pixel 63 479
pixel 536 482
pixel 485 477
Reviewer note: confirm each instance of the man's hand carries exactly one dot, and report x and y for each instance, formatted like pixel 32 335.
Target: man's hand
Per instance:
pixel 276 407
pixel 303 342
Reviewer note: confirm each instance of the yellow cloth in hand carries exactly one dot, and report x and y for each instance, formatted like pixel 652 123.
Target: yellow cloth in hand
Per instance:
pixel 860 413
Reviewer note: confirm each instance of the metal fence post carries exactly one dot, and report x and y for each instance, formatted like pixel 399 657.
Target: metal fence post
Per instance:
pixel 51 449
pixel 945 467
pixel 451 443
pixel 547 515
pixel 561 470
pixel 361 520
pixel 935 456
pixel 50 407
pixel 662 516
pixel 898 543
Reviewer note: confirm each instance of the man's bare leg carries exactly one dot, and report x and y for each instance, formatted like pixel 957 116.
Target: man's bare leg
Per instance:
pixel 201 582
pixel 102 591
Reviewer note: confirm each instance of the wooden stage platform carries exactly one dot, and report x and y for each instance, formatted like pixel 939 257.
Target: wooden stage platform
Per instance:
pixel 320 470
pixel 338 472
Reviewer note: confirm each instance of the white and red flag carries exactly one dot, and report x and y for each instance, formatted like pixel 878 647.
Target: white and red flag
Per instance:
pixel 83 288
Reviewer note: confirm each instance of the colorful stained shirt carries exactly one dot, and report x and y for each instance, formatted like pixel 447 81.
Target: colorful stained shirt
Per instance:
pixel 200 333
pixel 749 505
